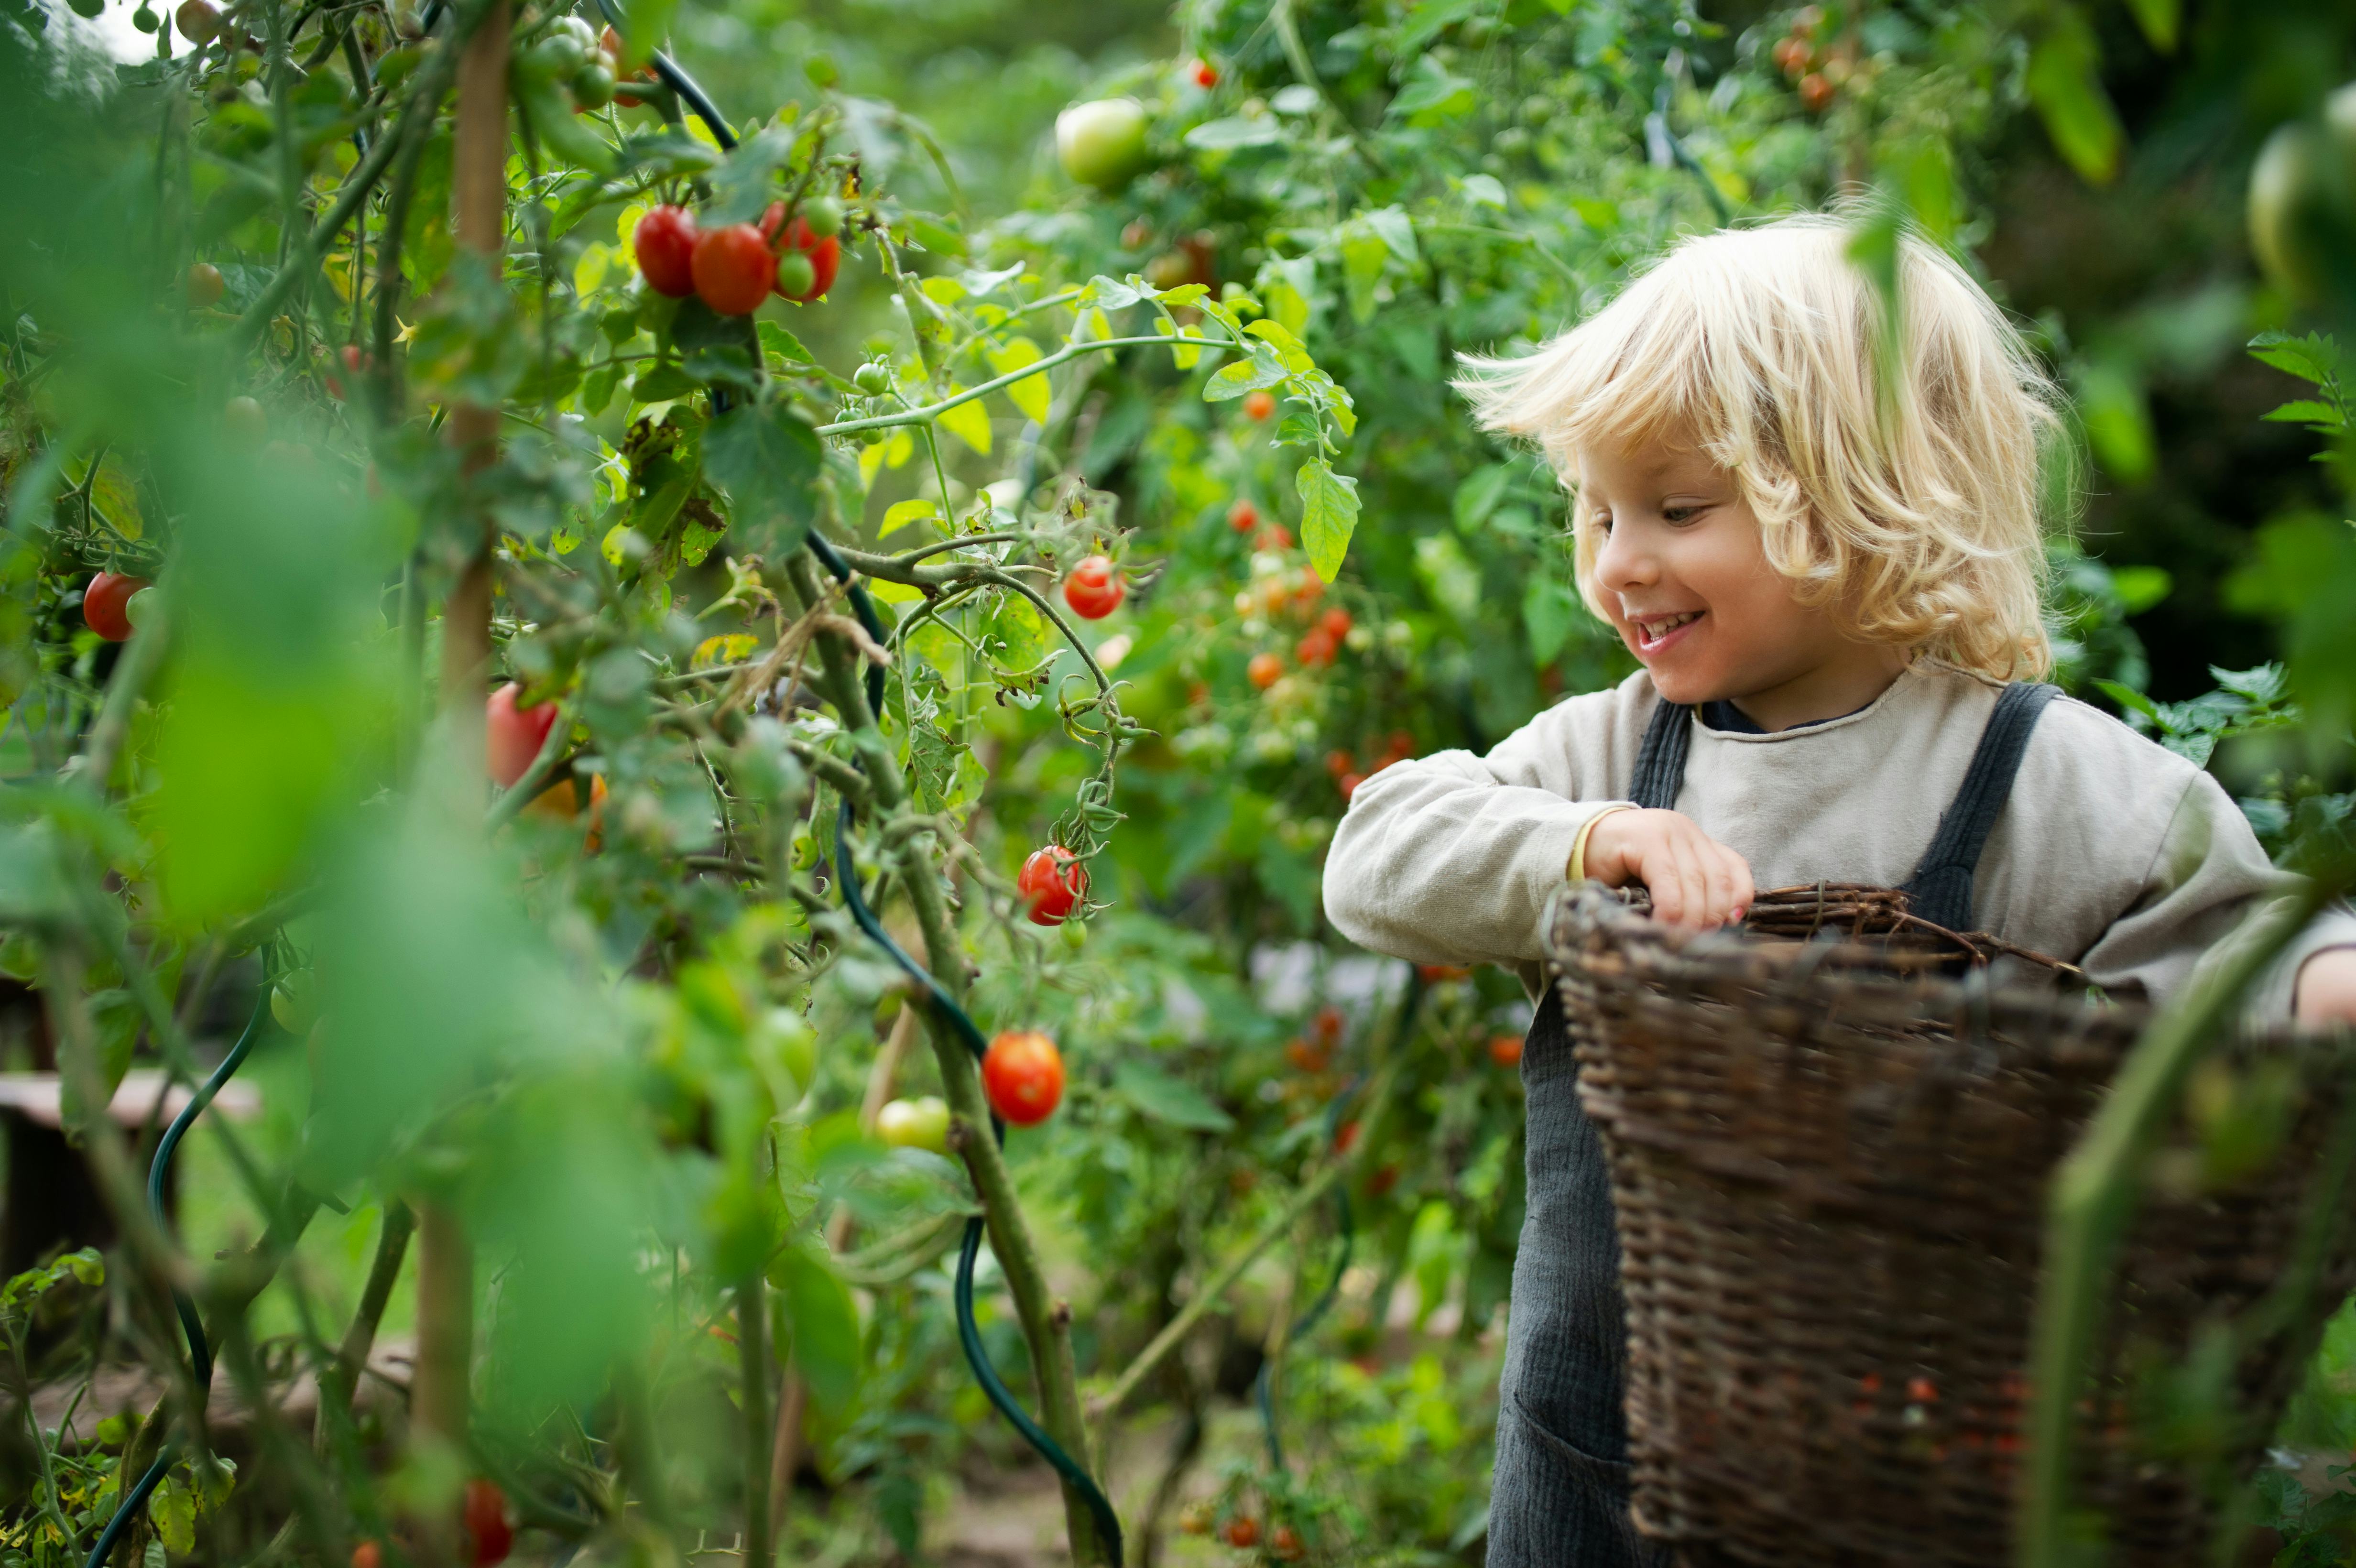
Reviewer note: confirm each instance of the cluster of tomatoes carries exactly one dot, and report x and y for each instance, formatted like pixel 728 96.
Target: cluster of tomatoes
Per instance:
pixel 483 1514
pixel 1319 645
pixel 1021 1077
pixel 512 737
pixel 106 605
pixel 1345 773
pixel 1815 73
pixel 1312 1052
pixel 733 267
pixel 1242 1531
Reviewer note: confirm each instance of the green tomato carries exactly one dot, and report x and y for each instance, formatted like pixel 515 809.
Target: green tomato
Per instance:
pixel 146 20
pixel 141 607
pixel 2302 204
pixel 795 274
pixel 593 84
pixel 295 1001
pixel 874 379
pixel 1102 142
pixel 823 214
pixel 554 57
pixel 1076 935
pixel 921 1123
pixel 783 1039
pixel 577 29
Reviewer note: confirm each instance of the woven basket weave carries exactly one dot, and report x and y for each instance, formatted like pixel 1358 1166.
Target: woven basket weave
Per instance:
pixel 1830 1160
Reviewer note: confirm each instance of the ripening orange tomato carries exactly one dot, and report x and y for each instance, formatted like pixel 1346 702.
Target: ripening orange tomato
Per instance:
pixel 1259 405
pixel 1023 1074
pixel 1265 670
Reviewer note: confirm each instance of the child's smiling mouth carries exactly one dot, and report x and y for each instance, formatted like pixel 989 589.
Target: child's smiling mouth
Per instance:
pixel 1654 632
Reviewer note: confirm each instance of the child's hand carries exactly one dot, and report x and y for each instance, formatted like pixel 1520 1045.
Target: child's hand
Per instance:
pixel 1694 881
pixel 2326 993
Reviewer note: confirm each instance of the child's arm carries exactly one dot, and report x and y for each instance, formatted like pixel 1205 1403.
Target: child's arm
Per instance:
pixel 2207 876
pixel 2325 992
pixel 1450 859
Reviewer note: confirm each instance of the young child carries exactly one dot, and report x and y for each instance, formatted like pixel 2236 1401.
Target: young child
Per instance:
pixel 1832 584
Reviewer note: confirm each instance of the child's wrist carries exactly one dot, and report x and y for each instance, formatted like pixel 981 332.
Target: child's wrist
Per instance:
pixel 1585 855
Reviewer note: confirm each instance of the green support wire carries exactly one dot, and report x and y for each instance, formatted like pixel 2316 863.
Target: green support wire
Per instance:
pixel 946 1009
pixel 200 1355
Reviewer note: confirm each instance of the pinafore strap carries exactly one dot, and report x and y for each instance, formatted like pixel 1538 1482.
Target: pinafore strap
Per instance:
pixel 1941 888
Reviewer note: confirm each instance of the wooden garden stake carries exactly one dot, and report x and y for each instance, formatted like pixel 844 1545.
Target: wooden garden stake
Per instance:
pixel 445 1264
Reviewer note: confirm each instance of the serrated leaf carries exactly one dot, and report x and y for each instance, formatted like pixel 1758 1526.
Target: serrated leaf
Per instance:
pixel 1109 294
pixel 172 1507
pixel 1262 370
pixel 2310 358
pixel 1329 515
pixel 1168 1098
pixel 662 384
pixel 769 464
pixel 1032 394
pixel 970 422
pixel 2306 410
pixel 729 647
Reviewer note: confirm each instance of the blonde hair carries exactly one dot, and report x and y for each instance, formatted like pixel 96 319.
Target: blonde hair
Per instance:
pixel 1911 508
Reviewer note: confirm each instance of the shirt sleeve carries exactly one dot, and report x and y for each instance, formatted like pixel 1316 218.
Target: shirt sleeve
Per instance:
pixel 1451 858
pixel 2208 877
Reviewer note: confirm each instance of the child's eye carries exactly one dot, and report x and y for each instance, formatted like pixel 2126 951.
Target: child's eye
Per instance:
pixel 1603 521
pixel 1679 514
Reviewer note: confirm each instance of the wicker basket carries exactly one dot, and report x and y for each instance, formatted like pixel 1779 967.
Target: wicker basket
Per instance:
pixel 1830 1158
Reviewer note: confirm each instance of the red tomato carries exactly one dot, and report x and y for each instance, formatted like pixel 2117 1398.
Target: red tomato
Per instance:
pixel 1338 762
pixel 1278 537
pixel 1243 516
pixel 1315 648
pixel 1264 670
pixel 1337 622
pixel 1506 1050
pixel 1792 55
pixel 1382 1181
pixel 1304 1056
pixel 1242 1531
pixel 106 605
pixel 1328 1024
pixel 1023 1073
pixel 1921 1390
pixel 368 1554
pixel 487 1530
pixel 1348 784
pixel 513 736
pixel 1259 405
pixel 1345 1138
pixel 1433 974
pixel 1816 94
pixel 204 285
pixel 1095 589
pixel 1205 73
pixel 1051 883
pixel 734 269
pixel 1285 1545
pixel 665 241
pixel 825 258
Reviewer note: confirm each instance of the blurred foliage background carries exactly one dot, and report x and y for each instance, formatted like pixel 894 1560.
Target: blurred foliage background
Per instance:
pixel 584 1052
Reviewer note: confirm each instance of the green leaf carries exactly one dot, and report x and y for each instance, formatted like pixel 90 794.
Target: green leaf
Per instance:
pixel 2141 587
pixel 1032 394
pixel 663 383
pixel 2157 18
pixel 172 1507
pixel 1262 370
pixel 2313 357
pixel 970 422
pixel 1168 1098
pixel 2306 410
pixel 769 463
pixel 1329 515
pixel 1549 609
pixel 2117 417
pixel 825 1321
pixel 2065 83
pixel 900 514
pixel 1431 93
pixel 1478 496
pixel 2129 699
pixel 1237 131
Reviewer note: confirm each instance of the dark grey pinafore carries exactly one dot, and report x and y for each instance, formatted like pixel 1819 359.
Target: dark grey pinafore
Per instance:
pixel 1561 1496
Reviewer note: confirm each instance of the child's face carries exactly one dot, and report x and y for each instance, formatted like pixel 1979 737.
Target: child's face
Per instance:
pixel 1684 577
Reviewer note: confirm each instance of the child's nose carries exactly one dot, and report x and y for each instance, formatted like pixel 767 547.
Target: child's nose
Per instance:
pixel 1623 563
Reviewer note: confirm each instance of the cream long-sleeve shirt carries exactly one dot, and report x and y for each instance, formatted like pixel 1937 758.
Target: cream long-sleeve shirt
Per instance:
pixel 2113 852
